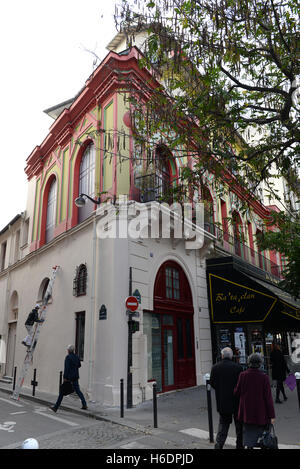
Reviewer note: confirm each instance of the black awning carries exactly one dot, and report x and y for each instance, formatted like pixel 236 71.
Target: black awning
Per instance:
pixel 236 297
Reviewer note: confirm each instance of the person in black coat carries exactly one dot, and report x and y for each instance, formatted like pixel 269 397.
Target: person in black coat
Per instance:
pixel 33 317
pixel 223 378
pixel 71 374
pixel 279 371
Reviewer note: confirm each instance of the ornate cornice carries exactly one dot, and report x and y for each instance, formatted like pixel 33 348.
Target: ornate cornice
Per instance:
pixel 114 73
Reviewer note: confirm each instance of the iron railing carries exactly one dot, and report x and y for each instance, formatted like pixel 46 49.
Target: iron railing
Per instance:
pixel 237 247
pixel 153 187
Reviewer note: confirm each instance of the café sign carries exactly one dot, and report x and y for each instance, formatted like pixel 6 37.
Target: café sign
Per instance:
pixel 289 310
pixel 233 302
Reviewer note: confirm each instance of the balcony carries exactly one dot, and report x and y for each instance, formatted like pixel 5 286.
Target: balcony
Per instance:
pixel 236 247
pixel 153 187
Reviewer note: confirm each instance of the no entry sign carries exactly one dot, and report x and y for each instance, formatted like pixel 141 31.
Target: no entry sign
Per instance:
pixel 132 303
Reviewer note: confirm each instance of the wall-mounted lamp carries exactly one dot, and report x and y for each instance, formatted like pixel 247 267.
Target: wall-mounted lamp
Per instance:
pixel 80 201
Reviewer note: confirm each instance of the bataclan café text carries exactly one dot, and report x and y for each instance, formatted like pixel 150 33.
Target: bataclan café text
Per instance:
pixel 248 311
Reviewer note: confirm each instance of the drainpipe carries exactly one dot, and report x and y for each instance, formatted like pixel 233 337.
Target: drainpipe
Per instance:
pixel 92 310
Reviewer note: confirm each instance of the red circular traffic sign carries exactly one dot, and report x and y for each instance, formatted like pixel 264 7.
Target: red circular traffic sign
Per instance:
pixel 132 303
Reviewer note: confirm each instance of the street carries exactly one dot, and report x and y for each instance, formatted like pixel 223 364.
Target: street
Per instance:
pixel 24 419
pixel 182 423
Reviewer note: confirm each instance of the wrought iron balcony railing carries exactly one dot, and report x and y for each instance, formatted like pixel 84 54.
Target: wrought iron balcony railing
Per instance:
pixel 238 248
pixel 155 188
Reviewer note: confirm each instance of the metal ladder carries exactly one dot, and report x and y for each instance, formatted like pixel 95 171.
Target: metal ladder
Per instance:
pixel 29 354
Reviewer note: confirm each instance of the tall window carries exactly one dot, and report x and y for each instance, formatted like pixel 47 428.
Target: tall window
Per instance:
pixel 172 283
pixel 87 181
pixel 208 210
pixel 79 284
pixel 79 339
pixel 43 291
pixel 237 234
pixel 162 170
pixel 51 211
pixel 3 255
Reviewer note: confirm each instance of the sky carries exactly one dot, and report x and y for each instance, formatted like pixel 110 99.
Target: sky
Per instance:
pixel 44 61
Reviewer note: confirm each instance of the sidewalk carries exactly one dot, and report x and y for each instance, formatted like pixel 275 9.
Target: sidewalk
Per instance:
pixel 179 411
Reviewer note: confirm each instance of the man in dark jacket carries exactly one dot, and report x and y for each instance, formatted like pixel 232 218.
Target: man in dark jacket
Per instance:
pixel 223 378
pixel 33 317
pixel 72 364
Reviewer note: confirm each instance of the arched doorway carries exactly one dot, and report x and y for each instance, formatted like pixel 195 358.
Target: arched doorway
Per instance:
pixel 12 333
pixel 170 331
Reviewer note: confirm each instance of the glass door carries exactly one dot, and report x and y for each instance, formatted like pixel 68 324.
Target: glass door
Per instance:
pixel 168 351
pixel 168 358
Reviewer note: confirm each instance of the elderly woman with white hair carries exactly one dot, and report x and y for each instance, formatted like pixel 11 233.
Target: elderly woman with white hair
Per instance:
pixel 256 407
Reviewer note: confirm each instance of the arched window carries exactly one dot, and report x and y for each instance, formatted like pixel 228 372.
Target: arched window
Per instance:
pixel 87 181
pixel 51 211
pixel 42 291
pixel 79 284
pixel 208 210
pixel 261 254
pixel 237 234
pixel 14 307
pixel 162 170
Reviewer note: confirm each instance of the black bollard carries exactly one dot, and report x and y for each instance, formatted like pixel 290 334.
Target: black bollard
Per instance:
pixel 155 404
pixel 121 398
pixel 34 382
pixel 297 374
pixel 209 408
pixel 15 375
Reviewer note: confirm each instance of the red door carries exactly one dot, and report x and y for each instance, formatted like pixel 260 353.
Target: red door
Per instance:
pixel 173 303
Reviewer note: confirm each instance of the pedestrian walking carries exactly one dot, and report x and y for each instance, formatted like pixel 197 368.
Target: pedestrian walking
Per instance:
pixel 223 378
pixel 279 371
pixel 71 374
pixel 256 408
pixel 33 317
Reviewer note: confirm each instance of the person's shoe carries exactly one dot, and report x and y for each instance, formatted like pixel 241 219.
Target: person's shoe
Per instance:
pixel 84 407
pixel 218 446
pixel 285 398
pixel 54 409
pixel 278 401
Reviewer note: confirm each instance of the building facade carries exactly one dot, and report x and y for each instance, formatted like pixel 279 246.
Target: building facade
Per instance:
pixel 90 150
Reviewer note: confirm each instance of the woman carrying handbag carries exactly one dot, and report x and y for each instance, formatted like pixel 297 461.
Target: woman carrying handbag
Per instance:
pixel 256 408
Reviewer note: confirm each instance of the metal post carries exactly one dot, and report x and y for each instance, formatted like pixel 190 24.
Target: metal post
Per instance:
pixel 34 382
pixel 155 404
pixel 297 374
pixel 209 407
pixel 129 356
pixel 122 398
pixel 15 375
pixel 129 364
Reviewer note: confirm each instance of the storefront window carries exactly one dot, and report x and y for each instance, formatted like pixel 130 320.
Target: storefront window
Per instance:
pixel 168 357
pixel 224 340
pixel 152 329
pixel 240 345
